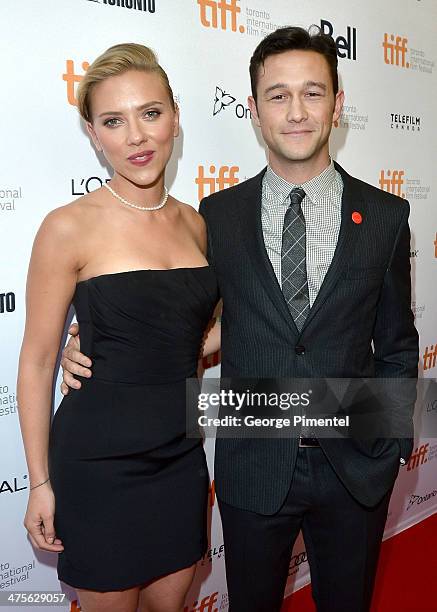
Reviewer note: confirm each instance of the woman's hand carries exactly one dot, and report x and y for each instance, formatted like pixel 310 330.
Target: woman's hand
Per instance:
pixel 39 519
pixel 73 362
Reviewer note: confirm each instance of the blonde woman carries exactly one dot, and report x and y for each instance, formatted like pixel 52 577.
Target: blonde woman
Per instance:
pixel 116 487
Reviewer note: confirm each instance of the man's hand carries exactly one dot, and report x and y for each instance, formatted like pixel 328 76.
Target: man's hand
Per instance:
pixel 73 362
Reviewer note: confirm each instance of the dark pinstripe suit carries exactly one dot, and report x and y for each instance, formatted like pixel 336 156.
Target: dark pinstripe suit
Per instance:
pixel 365 296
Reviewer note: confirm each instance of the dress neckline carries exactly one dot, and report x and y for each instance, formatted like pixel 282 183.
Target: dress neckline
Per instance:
pixel 124 272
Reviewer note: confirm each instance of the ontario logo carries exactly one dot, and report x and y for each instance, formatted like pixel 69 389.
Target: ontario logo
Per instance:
pixel 420 499
pixel 223 100
pixel 220 14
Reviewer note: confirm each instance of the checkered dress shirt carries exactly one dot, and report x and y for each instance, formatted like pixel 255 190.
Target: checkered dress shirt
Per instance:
pixel 321 208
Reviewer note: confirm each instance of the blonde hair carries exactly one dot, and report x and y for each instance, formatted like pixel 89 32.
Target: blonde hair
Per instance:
pixel 115 61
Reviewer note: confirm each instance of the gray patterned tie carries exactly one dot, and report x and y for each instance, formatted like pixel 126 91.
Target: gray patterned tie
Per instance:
pixel 293 259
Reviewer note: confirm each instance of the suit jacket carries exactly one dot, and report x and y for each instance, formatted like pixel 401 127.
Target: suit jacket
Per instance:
pixel 365 298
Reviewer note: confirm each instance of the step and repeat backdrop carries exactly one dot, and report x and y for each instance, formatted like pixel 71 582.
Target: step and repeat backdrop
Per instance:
pixel 386 136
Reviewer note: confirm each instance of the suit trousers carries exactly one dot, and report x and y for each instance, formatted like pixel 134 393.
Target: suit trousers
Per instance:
pixel 342 540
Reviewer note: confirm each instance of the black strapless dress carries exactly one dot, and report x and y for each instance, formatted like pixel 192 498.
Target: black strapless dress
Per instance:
pixel 130 487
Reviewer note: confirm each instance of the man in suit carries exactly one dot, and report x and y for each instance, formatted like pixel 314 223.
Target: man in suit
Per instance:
pixel 313 268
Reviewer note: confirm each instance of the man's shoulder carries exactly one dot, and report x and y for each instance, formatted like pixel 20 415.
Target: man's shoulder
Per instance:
pixel 373 195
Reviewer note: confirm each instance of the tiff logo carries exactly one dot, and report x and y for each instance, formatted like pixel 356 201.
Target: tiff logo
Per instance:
pixel 418 457
pixel 210 9
pixel 226 178
pixel 392 181
pixel 72 80
pixel 206 605
pixel 395 51
pixel 430 357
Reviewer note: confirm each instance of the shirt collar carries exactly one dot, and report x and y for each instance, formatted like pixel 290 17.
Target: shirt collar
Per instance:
pixel 315 189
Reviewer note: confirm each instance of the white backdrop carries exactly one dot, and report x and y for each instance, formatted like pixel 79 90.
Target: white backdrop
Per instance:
pixel 386 137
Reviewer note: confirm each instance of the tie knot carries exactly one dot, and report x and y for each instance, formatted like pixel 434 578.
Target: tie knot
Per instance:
pixel 296 196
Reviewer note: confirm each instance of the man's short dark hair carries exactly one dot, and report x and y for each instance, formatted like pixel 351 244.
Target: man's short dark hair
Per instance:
pixel 294 39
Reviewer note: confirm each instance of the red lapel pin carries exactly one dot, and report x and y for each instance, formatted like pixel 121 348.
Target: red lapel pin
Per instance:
pixel 357 217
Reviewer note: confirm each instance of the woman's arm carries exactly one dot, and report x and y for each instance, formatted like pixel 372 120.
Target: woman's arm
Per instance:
pixel 50 287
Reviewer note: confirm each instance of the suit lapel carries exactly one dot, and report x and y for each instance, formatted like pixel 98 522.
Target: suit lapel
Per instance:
pixel 249 208
pixel 352 201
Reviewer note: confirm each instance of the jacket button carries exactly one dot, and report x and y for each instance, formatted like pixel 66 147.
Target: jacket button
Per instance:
pixel 299 349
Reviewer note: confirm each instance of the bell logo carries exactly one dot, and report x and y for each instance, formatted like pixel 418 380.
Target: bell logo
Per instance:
pixel 395 50
pixel 226 178
pixel 418 457
pixel 206 605
pixel 72 79
pixel 392 181
pixel 346 45
pixel 430 357
pixel 210 9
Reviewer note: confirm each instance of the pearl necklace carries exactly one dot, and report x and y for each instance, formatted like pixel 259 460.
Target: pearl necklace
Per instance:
pixel 157 207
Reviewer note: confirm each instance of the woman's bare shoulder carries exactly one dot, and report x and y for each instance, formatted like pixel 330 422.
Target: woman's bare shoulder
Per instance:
pixel 70 218
pixel 193 218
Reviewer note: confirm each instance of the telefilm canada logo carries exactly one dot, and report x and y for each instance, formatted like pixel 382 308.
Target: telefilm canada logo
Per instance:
pixel 405 122
pixel 146 6
pixel 223 100
pixel 215 552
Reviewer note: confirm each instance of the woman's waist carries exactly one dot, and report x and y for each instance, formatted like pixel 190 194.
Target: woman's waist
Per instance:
pixel 141 372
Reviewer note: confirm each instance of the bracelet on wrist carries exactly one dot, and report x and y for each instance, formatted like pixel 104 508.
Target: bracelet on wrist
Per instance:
pixel 38 485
